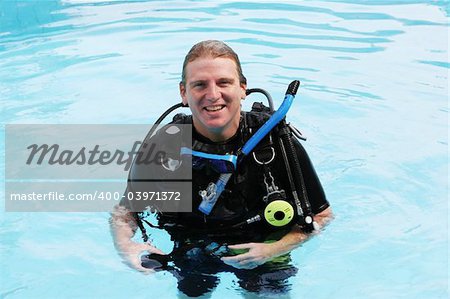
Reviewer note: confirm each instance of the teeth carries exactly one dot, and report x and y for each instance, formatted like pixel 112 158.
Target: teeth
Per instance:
pixel 214 108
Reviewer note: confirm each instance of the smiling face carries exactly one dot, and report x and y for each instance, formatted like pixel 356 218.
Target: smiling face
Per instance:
pixel 214 93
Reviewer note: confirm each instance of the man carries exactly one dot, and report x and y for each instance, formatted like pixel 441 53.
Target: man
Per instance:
pixel 213 86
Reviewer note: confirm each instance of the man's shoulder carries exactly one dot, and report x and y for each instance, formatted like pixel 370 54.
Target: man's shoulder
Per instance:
pixel 182 119
pixel 255 118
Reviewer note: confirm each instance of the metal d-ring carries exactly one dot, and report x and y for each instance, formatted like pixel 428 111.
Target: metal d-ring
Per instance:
pixel 270 160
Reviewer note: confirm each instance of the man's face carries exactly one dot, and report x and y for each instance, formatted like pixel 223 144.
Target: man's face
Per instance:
pixel 214 95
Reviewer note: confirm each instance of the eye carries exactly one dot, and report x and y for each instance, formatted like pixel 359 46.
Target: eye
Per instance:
pixel 224 83
pixel 198 85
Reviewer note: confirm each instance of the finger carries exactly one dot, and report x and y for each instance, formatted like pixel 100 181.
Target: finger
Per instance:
pixel 247 261
pixel 238 265
pixel 250 263
pixel 233 258
pixel 241 246
pixel 153 249
pixel 150 248
pixel 235 261
pixel 244 256
pixel 228 262
pixel 237 258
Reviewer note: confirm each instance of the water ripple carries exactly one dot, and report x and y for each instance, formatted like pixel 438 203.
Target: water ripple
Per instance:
pixel 321 26
pixel 278 45
pixel 281 34
pixel 436 63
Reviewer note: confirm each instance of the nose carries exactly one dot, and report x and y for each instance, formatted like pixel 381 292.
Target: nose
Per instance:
pixel 212 92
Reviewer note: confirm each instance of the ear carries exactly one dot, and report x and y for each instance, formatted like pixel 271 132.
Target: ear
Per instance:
pixel 244 90
pixel 183 93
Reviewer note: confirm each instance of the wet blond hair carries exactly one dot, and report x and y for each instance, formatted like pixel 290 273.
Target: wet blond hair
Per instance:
pixel 214 49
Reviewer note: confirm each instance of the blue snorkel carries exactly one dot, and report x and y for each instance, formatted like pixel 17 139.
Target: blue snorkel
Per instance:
pixel 213 191
pixel 274 119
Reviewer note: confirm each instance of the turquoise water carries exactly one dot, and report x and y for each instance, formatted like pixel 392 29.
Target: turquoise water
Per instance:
pixel 373 104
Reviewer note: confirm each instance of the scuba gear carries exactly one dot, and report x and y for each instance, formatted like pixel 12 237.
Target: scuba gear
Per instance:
pixel 220 163
pixel 278 116
pixel 265 93
pixel 279 213
pixel 208 202
pixel 277 210
pixel 294 172
pixel 162 117
pixel 295 175
pixel 214 190
pixel 223 164
pixel 212 193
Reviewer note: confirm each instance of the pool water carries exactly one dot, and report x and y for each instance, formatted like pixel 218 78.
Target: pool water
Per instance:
pixel 373 104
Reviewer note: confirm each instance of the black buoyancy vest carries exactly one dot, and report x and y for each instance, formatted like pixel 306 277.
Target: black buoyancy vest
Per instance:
pixel 242 197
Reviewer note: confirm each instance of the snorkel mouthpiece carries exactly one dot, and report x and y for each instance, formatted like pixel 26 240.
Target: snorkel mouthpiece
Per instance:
pixel 293 87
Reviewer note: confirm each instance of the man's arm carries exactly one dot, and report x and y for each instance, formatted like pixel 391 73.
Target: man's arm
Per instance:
pixel 123 227
pixel 260 253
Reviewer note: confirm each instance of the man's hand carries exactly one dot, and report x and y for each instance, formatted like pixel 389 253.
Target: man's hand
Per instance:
pixel 132 253
pixel 123 226
pixel 258 254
